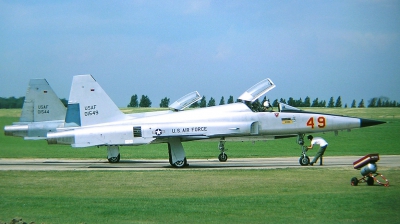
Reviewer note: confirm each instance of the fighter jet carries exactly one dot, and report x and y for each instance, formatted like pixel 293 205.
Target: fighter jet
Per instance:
pixel 101 123
pixel 42 112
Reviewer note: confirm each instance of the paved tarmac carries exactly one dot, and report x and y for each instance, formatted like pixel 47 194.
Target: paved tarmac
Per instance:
pixel 143 164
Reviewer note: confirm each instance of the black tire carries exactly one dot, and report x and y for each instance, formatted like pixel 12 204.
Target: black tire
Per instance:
pixel 114 159
pixel 304 160
pixel 180 163
pixel 354 181
pixel 370 181
pixel 223 157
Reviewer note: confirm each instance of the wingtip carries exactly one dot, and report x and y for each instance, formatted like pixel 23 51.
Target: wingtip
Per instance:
pixel 367 122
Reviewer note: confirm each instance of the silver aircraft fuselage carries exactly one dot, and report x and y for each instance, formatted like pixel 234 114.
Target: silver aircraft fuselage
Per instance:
pixel 232 121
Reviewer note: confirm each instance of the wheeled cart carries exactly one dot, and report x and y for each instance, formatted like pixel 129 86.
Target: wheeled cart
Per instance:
pixel 368 167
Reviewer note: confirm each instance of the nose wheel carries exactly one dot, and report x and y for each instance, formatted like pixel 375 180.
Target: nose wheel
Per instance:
pixel 223 157
pixel 304 160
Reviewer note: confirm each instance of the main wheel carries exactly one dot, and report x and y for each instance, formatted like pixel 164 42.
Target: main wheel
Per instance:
pixel 114 159
pixel 304 160
pixel 354 181
pixel 180 163
pixel 223 157
pixel 370 181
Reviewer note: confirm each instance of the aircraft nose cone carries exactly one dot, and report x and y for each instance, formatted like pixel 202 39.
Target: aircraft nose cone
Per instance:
pixel 367 122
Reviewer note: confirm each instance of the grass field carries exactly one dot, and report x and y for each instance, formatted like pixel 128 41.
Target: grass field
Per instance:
pixel 205 196
pixel 202 196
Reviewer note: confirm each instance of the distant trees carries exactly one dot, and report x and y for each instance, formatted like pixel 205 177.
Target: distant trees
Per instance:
pixel 230 100
pixel 203 102
pixel 11 102
pixel 307 102
pixel 330 103
pixel 195 105
pixel 222 101
pixel 164 102
pixel 275 103
pixel 145 101
pixel 338 102
pixel 353 104
pixel 134 101
pixel 382 102
pixel 372 102
pixel 361 104
pixel 315 103
pixel 211 103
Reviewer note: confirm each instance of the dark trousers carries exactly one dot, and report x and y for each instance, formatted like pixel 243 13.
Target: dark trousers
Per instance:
pixel 320 153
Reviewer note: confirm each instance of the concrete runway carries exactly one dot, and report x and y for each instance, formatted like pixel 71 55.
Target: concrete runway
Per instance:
pixel 241 163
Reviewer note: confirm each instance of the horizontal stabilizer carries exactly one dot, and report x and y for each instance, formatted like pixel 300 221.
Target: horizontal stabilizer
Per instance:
pixel 35 138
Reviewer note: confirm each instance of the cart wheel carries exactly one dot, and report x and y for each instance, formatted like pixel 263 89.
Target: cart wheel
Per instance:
pixel 370 181
pixel 354 181
pixel 304 160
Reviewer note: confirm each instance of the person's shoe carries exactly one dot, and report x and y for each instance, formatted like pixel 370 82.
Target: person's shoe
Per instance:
pixel 311 164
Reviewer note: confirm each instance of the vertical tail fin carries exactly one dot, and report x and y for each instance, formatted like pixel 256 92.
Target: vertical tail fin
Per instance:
pixel 41 103
pixel 89 104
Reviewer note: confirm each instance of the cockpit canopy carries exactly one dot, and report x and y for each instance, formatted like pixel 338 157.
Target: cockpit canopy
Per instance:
pixel 287 108
pixel 185 101
pixel 257 91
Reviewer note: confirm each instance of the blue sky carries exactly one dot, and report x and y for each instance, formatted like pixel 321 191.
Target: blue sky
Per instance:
pixel 169 48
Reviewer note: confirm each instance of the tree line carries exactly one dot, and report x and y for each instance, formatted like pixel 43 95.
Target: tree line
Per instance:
pixel 144 101
pixel 374 102
pixel 16 103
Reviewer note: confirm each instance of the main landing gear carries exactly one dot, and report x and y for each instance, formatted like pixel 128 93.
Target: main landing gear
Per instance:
pixel 114 159
pixel 113 154
pixel 176 153
pixel 223 157
pixel 177 157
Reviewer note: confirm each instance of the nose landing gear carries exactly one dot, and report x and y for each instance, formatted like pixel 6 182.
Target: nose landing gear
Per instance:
pixel 304 160
pixel 223 157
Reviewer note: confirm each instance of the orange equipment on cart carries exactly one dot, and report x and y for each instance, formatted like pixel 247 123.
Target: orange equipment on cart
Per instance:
pixel 369 168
